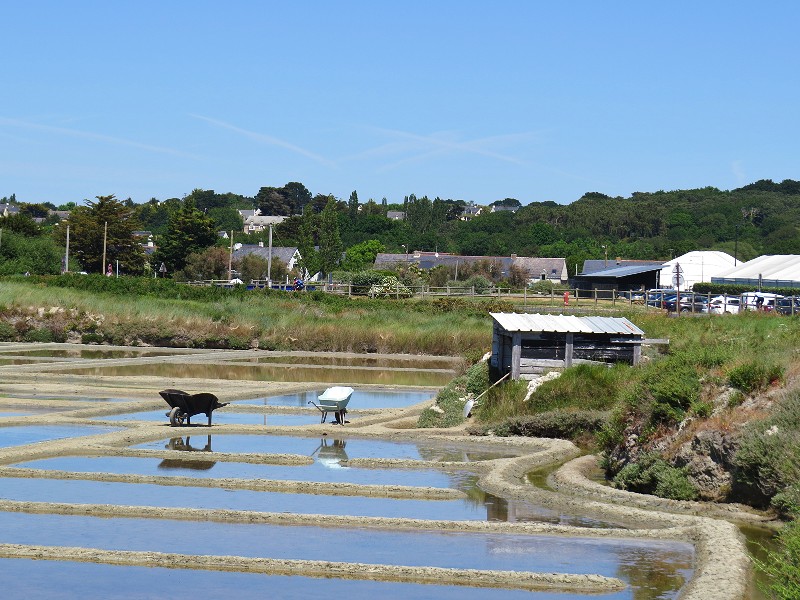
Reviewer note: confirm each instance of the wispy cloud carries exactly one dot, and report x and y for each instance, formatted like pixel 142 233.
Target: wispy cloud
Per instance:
pixel 738 172
pixel 89 135
pixel 267 139
pixel 442 143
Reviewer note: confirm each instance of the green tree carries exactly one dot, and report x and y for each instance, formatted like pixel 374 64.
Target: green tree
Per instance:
pixel 352 205
pixel 104 220
pixel 211 263
pixel 273 201
pixel 309 259
pixel 252 267
pixel 188 231
pixel 20 223
pixel 362 256
pixel 297 196
pixel 38 255
pixel 330 243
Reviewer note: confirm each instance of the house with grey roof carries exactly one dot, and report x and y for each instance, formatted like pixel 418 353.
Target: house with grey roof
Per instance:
pixel 535 269
pixel 289 255
pixel 6 210
pixel 619 275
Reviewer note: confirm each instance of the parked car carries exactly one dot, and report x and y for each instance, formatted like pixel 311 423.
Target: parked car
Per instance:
pixel 724 305
pixel 689 302
pixel 788 306
pixel 660 298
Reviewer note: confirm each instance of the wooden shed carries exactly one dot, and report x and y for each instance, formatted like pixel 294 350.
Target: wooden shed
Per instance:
pixel 529 344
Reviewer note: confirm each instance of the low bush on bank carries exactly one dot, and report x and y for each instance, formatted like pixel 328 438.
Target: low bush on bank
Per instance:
pixel 448 411
pixel 568 425
pixel 653 475
pixel 782 565
pixel 754 376
pixel 768 458
pixel 586 387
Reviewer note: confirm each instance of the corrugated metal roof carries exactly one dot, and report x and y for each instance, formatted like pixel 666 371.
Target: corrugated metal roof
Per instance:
pixel 624 271
pixel 770 266
pixel 565 324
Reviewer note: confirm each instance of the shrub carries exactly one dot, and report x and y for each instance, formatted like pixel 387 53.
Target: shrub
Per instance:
pixel 768 457
pixel 754 376
pixel 588 387
pixel 477 378
pixel 782 566
pixel 449 408
pixel 553 424
pixel 38 335
pixel 92 338
pixel 479 283
pixel 7 332
pixel 651 474
pixel 389 287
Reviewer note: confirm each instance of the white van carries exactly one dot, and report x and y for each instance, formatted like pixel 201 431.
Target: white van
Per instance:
pixel 750 301
pixel 724 305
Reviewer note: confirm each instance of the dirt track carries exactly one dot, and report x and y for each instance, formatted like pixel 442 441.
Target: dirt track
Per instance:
pixel 721 572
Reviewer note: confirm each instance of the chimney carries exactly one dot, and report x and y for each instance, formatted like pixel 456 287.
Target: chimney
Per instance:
pixel 619 259
pixel 513 256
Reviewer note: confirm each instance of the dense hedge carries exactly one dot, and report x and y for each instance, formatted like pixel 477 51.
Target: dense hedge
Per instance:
pixel 735 289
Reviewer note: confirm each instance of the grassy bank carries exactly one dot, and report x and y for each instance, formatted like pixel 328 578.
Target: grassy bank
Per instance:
pixel 167 314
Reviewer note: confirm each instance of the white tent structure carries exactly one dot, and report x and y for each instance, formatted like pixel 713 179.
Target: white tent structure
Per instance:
pixel 771 270
pixel 696 266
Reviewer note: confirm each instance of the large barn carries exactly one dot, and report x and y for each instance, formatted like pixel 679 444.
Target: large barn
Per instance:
pixel 527 345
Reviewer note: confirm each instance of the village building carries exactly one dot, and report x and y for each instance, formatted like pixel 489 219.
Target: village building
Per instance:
pixel 535 269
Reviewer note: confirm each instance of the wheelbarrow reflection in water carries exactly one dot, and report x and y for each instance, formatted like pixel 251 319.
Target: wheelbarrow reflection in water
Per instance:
pixel 180 445
pixel 330 453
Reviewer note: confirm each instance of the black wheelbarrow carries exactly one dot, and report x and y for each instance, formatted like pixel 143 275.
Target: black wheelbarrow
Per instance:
pixel 183 406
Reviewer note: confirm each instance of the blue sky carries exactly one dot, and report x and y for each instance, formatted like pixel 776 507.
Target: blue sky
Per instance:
pixel 459 99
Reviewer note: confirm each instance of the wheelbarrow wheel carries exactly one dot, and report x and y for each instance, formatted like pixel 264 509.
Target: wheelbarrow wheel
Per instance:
pixel 176 417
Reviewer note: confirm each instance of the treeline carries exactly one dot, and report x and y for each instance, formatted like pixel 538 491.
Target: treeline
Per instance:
pixel 759 218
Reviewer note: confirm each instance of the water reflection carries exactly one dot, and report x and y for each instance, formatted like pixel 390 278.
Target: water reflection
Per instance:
pixel 654 574
pixel 331 453
pixel 363 361
pixel 178 443
pixel 421 377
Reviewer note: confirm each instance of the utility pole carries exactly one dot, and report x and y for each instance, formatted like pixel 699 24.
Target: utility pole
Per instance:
pixel 105 235
pixel 66 253
pixel 269 259
pixel 230 259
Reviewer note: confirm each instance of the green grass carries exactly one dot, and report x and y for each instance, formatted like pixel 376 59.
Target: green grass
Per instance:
pixel 310 321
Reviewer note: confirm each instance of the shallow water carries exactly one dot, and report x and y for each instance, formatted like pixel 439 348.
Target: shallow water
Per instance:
pixel 665 560
pixel 96 353
pixel 354 375
pixel 363 361
pixel 227 418
pixel 345 447
pixel 55 580
pixel 360 399
pixel 29 434
pixel 479 506
pixel 323 470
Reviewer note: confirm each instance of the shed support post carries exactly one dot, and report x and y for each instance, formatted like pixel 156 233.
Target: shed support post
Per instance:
pixel 568 350
pixel 637 353
pixel 516 355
